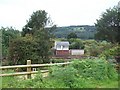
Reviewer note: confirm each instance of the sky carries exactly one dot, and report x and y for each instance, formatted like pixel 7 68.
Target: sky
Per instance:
pixel 15 13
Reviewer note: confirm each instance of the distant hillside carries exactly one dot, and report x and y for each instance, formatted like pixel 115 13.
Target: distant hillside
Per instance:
pixel 82 31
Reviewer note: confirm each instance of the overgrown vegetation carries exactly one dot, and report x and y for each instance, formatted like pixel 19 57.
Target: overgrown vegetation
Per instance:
pixel 85 73
pixel 95 48
pixel 111 53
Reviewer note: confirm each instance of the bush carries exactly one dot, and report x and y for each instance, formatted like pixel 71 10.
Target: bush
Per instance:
pixel 66 75
pixel 9 82
pixel 57 60
pixel 29 48
pixel 111 53
pixel 82 73
pixel 95 69
pixel 94 48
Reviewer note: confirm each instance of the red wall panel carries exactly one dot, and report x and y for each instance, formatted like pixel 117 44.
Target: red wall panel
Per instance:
pixel 62 52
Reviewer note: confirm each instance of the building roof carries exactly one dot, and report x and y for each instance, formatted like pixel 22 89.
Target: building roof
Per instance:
pixel 62 43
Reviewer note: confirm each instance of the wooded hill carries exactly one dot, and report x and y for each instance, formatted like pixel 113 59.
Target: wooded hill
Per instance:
pixel 82 31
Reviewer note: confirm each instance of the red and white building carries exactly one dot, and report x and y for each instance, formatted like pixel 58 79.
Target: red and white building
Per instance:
pixel 62 48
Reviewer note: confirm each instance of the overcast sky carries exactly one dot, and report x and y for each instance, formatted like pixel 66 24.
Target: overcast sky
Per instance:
pixel 62 12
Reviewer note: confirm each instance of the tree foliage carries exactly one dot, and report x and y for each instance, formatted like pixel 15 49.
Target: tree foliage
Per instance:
pixel 20 50
pixel 76 44
pixel 72 35
pixel 8 34
pixel 94 48
pixel 36 41
pixel 82 31
pixel 32 48
pixel 44 44
pixel 37 20
pixel 107 26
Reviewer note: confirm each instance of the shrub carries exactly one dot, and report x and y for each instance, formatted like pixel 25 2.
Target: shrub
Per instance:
pixel 84 72
pixel 29 48
pixel 94 48
pixel 9 82
pixel 65 75
pixel 111 53
pixel 95 69
pixel 21 49
pixel 57 60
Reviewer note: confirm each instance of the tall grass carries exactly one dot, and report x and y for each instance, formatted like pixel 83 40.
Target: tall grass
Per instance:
pixel 86 73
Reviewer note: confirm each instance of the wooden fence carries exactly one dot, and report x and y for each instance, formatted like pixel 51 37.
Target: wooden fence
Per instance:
pixel 29 70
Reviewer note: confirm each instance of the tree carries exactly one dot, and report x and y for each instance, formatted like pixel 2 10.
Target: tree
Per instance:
pixel 107 26
pixel 37 20
pixel 76 44
pixel 37 48
pixel 8 34
pixel 28 48
pixel 72 35
pixel 43 45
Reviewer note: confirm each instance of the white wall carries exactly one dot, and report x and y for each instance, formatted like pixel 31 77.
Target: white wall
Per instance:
pixel 61 48
pixel 77 52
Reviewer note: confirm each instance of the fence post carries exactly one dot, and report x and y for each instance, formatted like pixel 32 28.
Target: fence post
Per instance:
pixel 28 69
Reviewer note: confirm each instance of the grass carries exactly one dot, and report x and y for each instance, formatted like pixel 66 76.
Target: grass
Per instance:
pixel 0 83
pixel 13 82
pixel 80 74
pixel 109 84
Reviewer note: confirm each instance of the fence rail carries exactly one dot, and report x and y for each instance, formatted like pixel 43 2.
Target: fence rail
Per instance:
pixel 32 65
pixel 23 73
pixel 29 66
